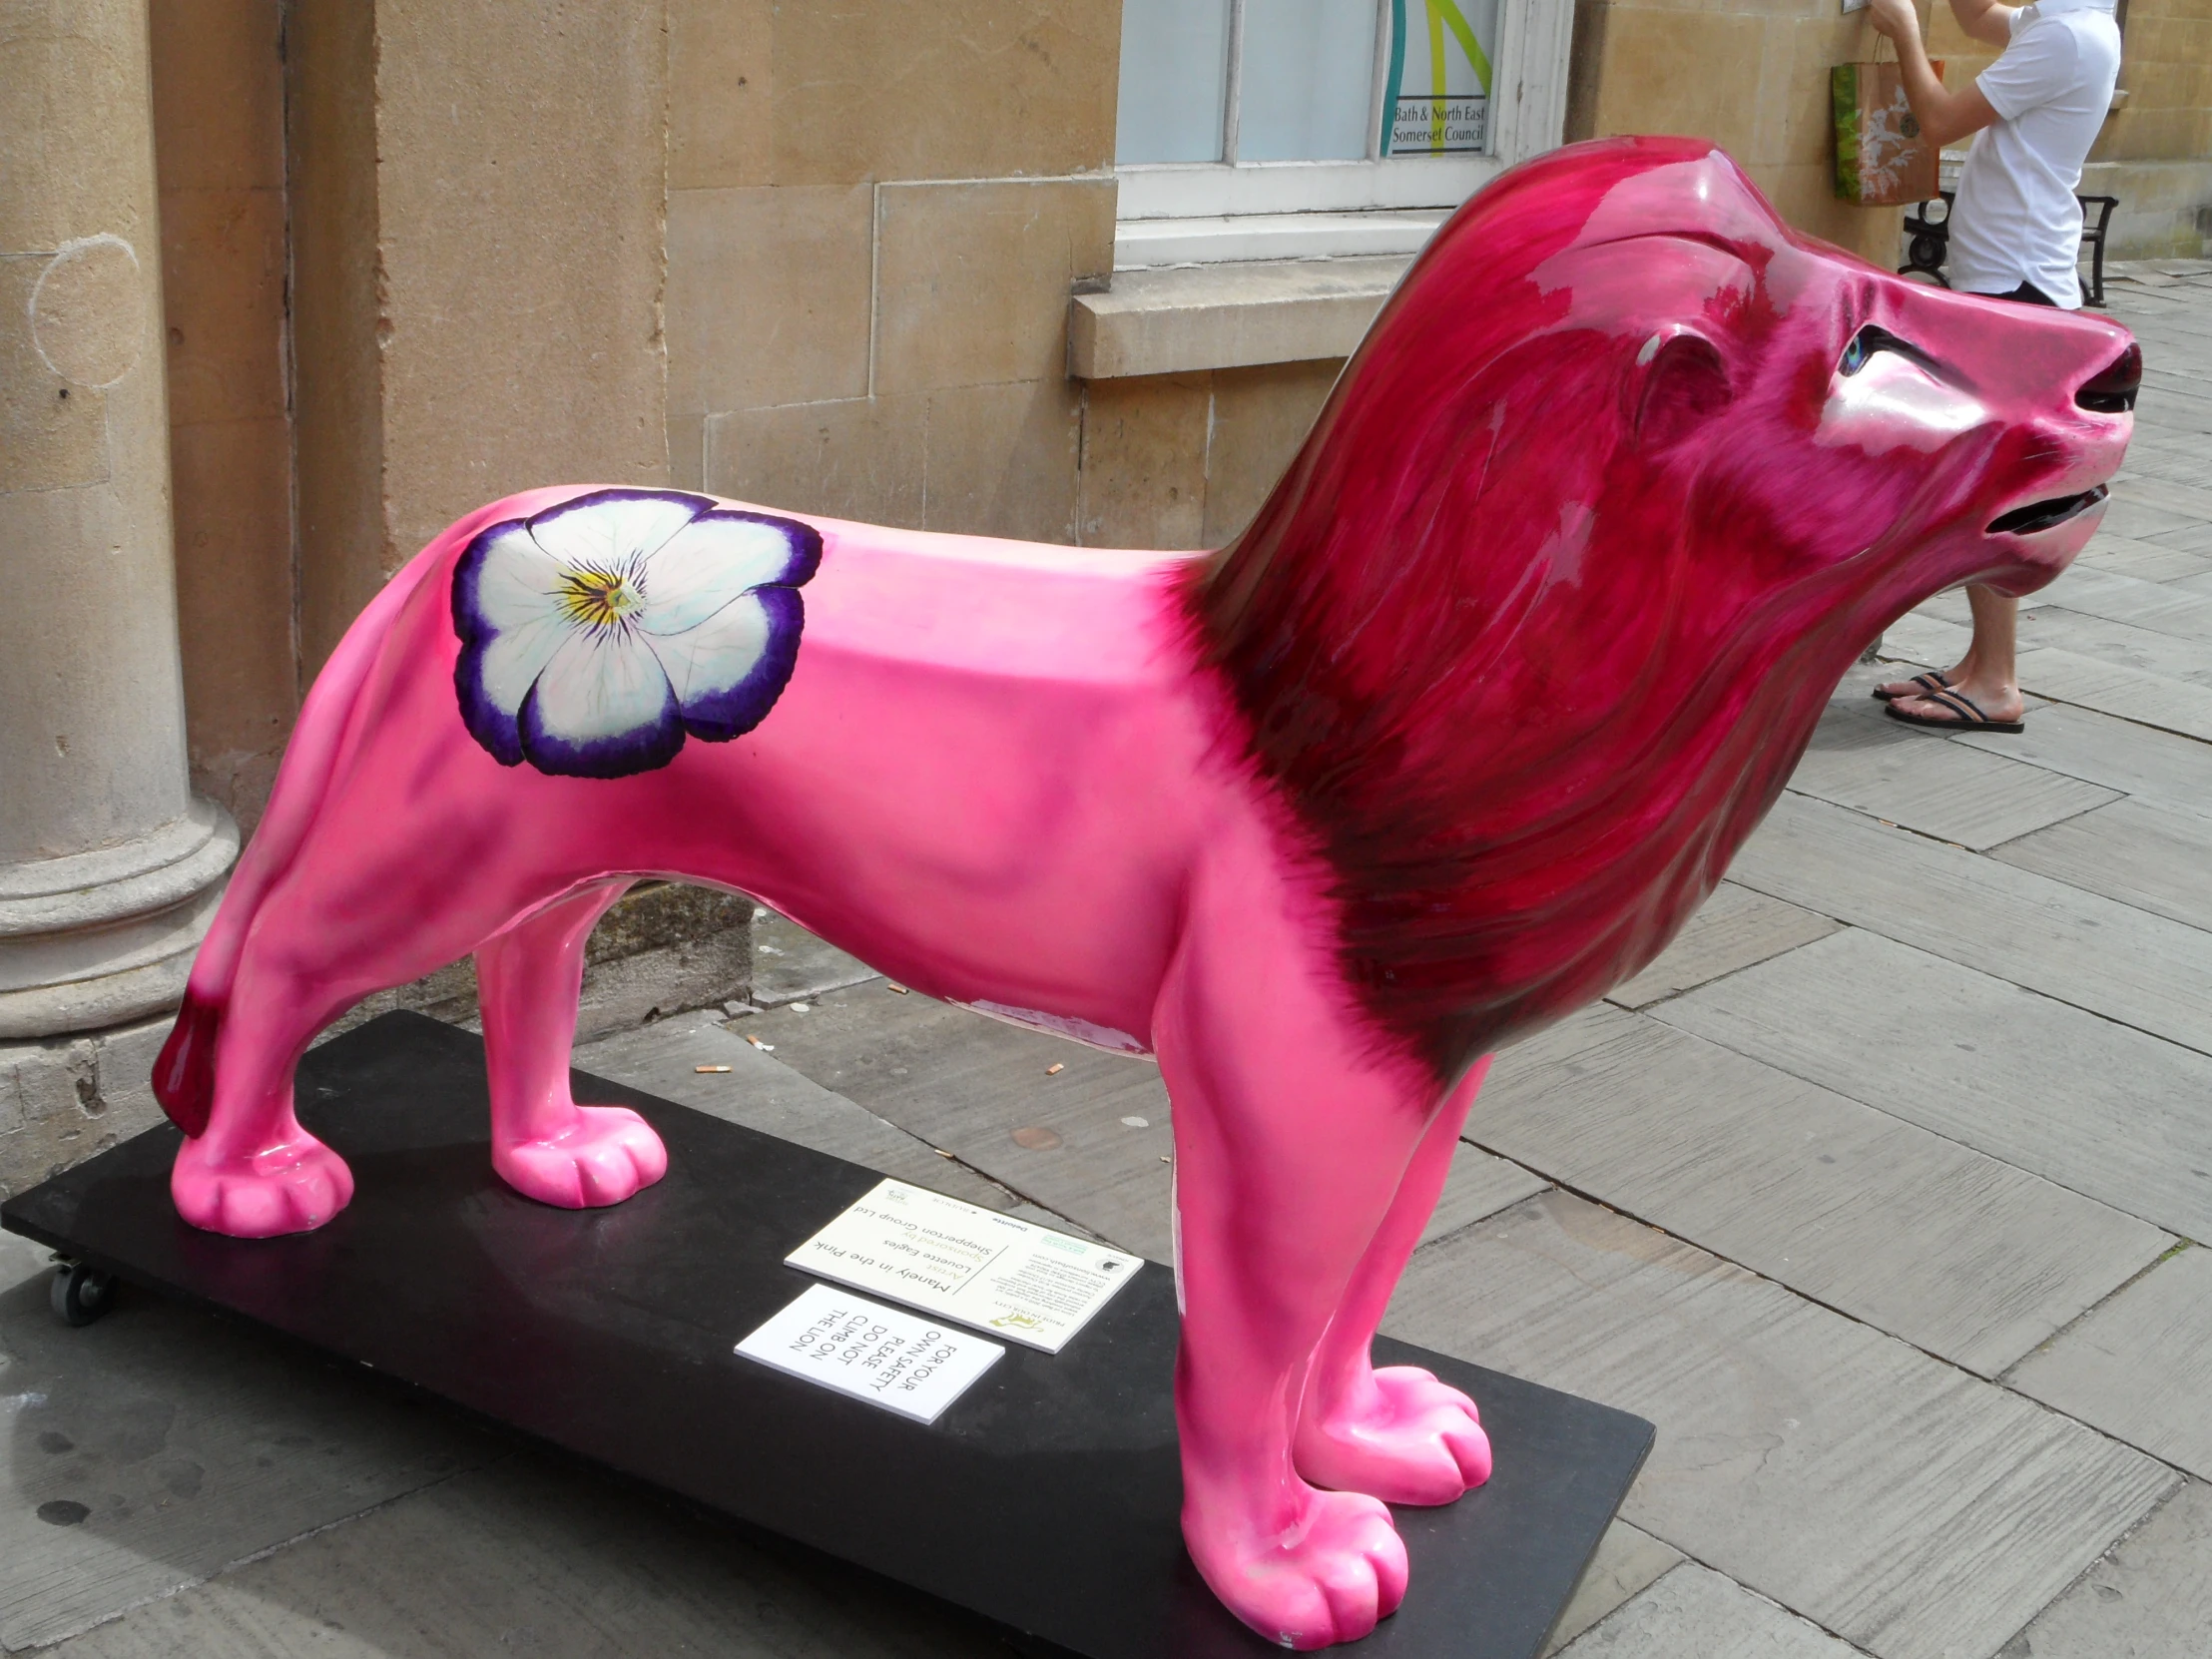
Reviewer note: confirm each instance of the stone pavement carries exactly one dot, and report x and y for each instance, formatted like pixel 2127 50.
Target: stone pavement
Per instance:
pixel 1883 1194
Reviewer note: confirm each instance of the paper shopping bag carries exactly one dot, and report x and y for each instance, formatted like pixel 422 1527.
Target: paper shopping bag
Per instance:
pixel 1882 160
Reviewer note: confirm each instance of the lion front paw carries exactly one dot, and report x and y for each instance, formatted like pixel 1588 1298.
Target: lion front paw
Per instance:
pixel 1331 1579
pixel 610 1154
pixel 1412 1439
pixel 292 1187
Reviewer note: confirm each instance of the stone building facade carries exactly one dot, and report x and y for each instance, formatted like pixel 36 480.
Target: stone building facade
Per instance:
pixel 285 286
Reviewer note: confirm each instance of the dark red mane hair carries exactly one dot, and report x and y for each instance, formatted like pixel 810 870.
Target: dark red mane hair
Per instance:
pixel 1478 637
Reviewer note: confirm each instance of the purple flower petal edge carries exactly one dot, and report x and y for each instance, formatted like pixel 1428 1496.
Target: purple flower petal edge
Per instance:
pixel 804 540
pixel 645 747
pixel 510 740
pixel 490 725
pixel 730 714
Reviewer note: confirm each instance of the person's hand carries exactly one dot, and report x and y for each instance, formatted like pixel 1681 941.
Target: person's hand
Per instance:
pixel 1894 18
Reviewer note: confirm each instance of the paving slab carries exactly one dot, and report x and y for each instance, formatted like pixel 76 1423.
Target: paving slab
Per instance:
pixel 2140 1366
pixel 2093 590
pixel 2164 317
pixel 972 1085
pixel 1481 1184
pixel 1894 1500
pixel 2156 442
pixel 1931 1240
pixel 2081 1101
pixel 2149 561
pixel 1861 757
pixel 2146 519
pixel 1951 605
pixel 161 1445
pixel 2175 367
pixel 1731 929
pixel 761 1093
pixel 1695 1613
pixel 2163 452
pixel 2169 653
pixel 2115 688
pixel 2151 448
pixel 22 1261
pixel 2158 457
pixel 2078 947
pixel 540 1556
pixel 1627 1560
pixel 1919 637
pixel 2149 699
pixel 2157 858
pixel 2196 538
pixel 984 1091
pixel 2174 336
pixel 790 965
pixel 2193 501
pixel 2175 434
pixel 2172 401
pixel 2153 765
pixel 2151 1598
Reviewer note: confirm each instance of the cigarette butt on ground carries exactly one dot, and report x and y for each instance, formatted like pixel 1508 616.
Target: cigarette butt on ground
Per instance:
pixel 710 1068
pixel 899 989
pixel 765 1048
pixel 1054 1069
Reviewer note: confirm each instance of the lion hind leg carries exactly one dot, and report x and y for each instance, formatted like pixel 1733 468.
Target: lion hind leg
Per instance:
pixel 1290 1148
pixel 543 1144
pixel 1397 1434
pixel 354 913
pixel 253 1172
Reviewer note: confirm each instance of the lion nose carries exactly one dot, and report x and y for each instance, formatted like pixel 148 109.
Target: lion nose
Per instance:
pixel 2111 390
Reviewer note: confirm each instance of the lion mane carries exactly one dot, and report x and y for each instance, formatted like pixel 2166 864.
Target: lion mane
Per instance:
pixel 1482 638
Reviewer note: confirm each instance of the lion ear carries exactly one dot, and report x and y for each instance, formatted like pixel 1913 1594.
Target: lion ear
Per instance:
pixel 1679 383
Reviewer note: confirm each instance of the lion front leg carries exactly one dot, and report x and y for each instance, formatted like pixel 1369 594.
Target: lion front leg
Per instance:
pixel 1291 1145
pixel 1397 1434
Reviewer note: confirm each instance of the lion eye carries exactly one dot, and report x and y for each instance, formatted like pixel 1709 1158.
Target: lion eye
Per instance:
pixel 1871 338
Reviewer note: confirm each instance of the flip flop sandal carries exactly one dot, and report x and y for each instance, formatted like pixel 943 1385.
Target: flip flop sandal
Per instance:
pixel 1930 685
pixel 1971 718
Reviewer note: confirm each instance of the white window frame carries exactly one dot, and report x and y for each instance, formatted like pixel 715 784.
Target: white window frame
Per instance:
pixel 1188 213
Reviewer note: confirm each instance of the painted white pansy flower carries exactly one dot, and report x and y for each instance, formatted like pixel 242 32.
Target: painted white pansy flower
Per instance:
pixel 595 635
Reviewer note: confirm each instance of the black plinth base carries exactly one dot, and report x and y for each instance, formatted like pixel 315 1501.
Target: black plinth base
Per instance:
pixel 1045 1498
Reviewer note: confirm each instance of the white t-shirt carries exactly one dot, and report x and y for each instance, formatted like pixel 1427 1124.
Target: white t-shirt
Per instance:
pixel 2016 219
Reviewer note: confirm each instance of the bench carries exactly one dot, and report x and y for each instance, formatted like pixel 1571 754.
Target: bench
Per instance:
pixel 1928 240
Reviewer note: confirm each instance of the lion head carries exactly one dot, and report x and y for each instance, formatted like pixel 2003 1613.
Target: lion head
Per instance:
pixel 1623 479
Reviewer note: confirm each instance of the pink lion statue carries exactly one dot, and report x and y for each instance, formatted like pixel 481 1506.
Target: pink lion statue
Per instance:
pixel 1450 742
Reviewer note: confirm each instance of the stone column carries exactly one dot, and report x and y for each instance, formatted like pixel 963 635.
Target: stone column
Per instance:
pixel 109 869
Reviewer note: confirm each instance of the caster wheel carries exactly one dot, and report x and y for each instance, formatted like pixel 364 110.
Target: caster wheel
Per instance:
pixel 80 1294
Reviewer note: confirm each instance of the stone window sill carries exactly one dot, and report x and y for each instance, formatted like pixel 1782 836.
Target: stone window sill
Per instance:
pixel 1236 315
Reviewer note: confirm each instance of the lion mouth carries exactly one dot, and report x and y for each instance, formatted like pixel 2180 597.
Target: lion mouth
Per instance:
pixel 2046 515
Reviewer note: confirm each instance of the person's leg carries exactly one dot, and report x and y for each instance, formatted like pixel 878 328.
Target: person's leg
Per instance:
pixel 1987 677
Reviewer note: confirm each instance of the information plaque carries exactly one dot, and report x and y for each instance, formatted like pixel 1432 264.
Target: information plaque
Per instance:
pixel 899 1361
pixel 961 1262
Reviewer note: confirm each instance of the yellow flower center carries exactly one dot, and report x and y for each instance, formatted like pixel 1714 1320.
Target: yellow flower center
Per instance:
pixel 597 598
